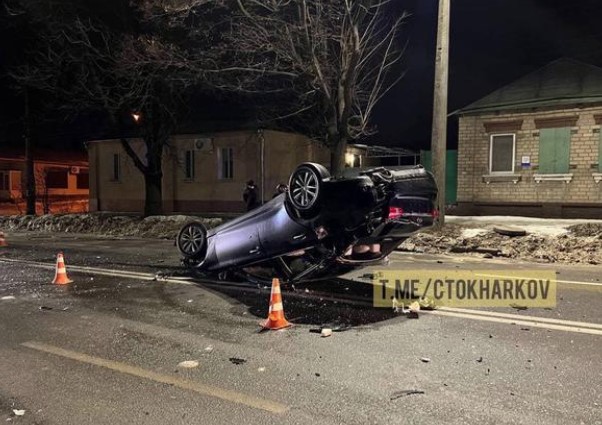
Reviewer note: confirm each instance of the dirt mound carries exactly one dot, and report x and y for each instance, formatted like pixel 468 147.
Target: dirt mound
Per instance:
pixel 572 247
pixel 164 227
pixel 586 230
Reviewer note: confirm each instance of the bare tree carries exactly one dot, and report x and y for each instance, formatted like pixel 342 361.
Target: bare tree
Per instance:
pixel 121 69
pixel 330 60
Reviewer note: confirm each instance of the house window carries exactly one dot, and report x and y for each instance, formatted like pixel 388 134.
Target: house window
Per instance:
pixel 225 163
pixel 116 171
pixel 4 181
pixel 57 179
pixel 554 150
pixel 189 170
pixel 502 151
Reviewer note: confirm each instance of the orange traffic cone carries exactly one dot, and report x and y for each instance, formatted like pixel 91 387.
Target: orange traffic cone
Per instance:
pixel 60 277
pixel 3 240
pixel 276 318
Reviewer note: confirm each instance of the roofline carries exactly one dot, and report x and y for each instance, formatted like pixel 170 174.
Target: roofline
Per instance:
pixel 531 104
pixel 468 109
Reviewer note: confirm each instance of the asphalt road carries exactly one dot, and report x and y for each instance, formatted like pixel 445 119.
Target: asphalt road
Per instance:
pixel 106 349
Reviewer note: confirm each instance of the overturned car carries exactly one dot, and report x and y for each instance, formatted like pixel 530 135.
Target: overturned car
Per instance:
pixel 321 227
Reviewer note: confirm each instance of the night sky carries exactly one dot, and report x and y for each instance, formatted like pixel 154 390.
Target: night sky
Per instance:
pixel 493 42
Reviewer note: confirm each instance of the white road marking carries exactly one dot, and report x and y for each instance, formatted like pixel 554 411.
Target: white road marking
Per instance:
pixel 208 390
pixel 521 317
pixel 567 282
pixel 532 321
pixel 483 315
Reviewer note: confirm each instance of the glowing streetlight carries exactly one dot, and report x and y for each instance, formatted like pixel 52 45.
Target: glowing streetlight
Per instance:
pixel 136 116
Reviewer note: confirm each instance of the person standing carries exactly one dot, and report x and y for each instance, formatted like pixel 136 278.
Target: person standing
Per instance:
pixel 250 196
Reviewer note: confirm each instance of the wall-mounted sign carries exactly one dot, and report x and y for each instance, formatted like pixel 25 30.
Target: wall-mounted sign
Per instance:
pixel 525 161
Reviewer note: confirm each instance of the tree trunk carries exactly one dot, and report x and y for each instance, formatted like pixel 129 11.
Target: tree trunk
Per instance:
pixel 337 155
pixel 153 202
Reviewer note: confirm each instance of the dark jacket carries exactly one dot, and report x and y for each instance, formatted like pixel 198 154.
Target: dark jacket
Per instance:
pixel 250 197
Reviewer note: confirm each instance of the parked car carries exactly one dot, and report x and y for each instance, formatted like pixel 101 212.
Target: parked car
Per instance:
pixel 323 226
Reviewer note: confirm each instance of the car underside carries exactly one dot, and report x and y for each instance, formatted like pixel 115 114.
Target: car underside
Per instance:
pixel 321 227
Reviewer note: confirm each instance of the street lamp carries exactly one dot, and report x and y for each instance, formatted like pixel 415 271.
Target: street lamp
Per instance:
pixel 136 116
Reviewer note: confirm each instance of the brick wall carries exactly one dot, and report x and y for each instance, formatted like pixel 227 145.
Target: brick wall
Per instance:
pixel 547 197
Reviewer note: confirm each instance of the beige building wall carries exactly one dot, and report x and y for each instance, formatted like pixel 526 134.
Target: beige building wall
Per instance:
pixel 282 152
pixel 479 192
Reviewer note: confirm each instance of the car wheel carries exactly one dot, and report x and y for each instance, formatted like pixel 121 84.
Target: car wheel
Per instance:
pixel 192 240
pixel 305 186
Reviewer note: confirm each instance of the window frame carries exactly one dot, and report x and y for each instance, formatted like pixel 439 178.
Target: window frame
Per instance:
pixel 5 178
pixel 513 170
pixel 567 169
pixel 116 168
pixel 221 172
pixel 189 164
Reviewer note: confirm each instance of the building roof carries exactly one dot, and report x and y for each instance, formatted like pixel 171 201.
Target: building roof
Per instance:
pixel 383 151
pixel 48 156
pixel 562 82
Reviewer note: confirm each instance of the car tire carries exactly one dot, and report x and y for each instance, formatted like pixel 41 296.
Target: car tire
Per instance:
pixel 305 187
pixel 192 240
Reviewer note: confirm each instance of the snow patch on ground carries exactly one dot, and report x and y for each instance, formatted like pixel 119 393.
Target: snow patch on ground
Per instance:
pixel 547 240
pixel 471 233
pixel 161 227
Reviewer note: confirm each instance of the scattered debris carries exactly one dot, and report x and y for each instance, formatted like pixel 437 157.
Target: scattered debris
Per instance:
pixel 488 251
pixel 519 307
pixel 7 297
pixel 427 303
pixel 413 310
pixel 509 231
pixel 317 374
pixel 425 360
pixel 525 329
pixel 209 348
pixel 18 412
pixel 326 332
pixel 188 364
pixel 44 308
pixel 480 360
pixel 237 361
pixel 261 369
pixel 331 327
pixel 403 393
pixel 580 243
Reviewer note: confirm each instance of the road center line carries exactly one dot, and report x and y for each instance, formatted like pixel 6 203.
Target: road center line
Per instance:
pixel 523 322
pixel 568 282
pixel 521 317
pixel 483 315
pixel 221 393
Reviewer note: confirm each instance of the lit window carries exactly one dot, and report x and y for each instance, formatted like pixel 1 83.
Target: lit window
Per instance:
pixel 501 153
pixel 225 163
pixel 189 171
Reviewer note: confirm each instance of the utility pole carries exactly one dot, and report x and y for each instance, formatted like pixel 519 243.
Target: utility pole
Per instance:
pixel 439 134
